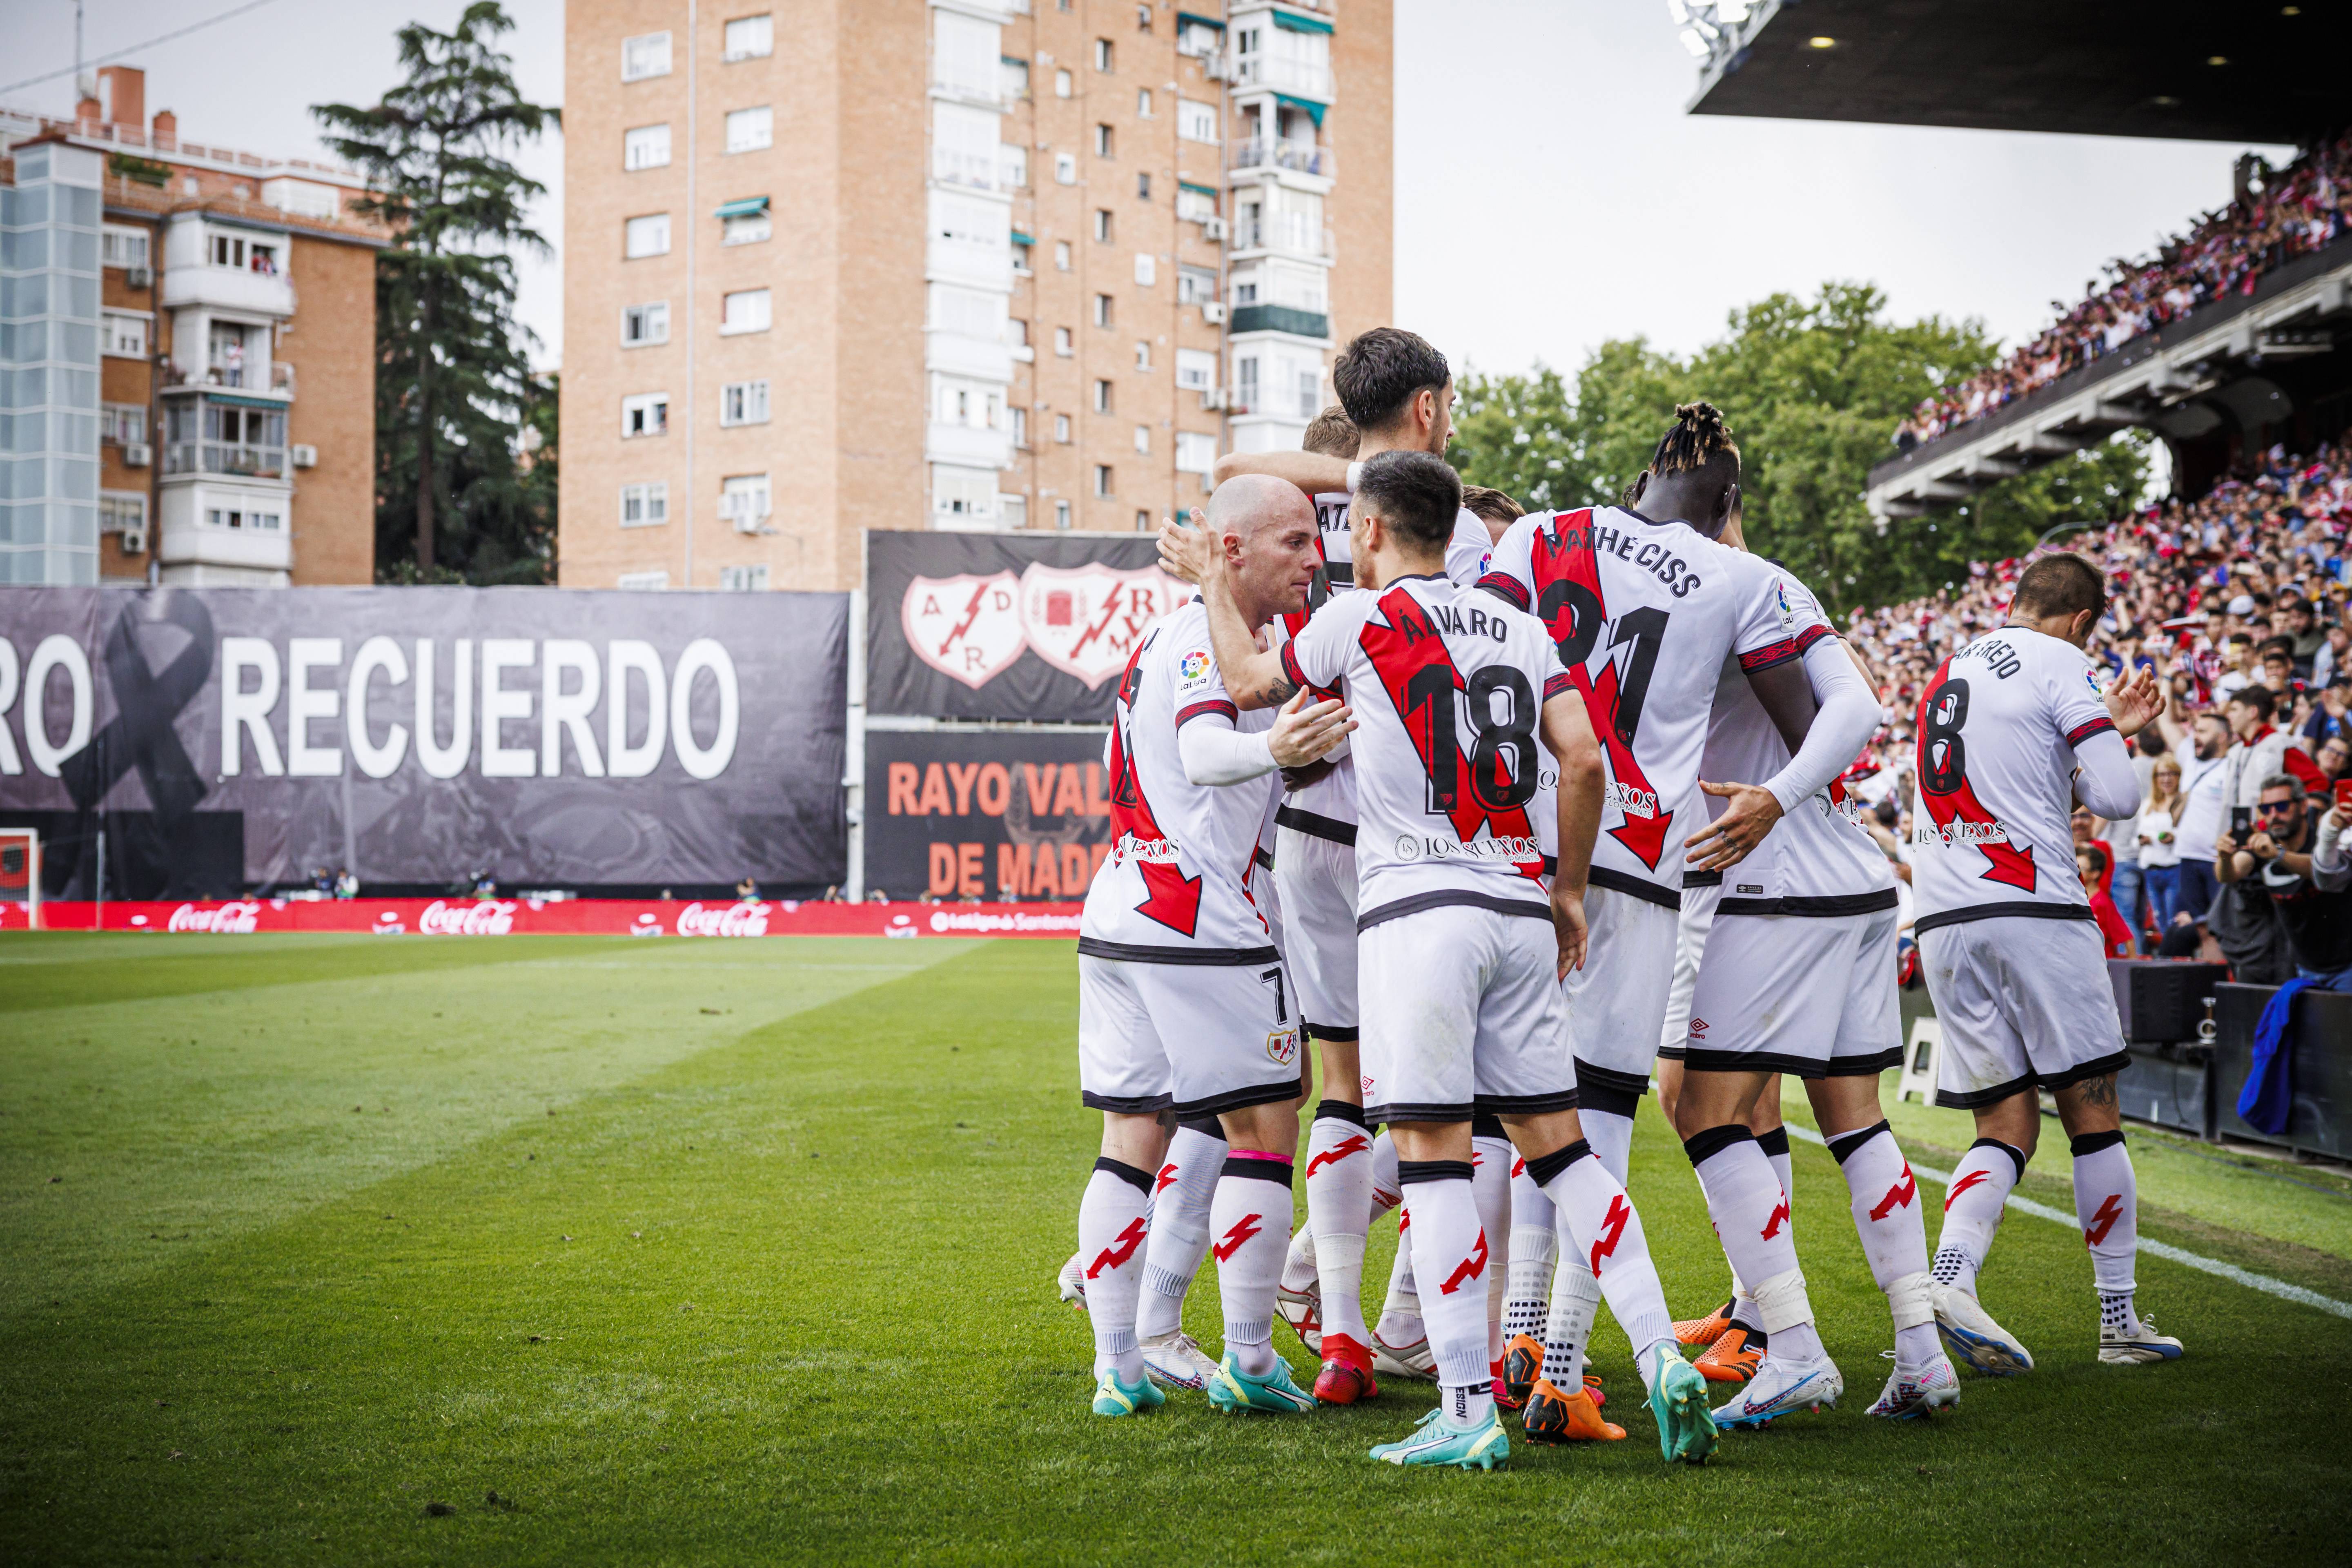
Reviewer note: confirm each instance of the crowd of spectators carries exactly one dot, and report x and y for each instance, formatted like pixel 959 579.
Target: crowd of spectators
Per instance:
pixel 2242 603
pixel 2301 208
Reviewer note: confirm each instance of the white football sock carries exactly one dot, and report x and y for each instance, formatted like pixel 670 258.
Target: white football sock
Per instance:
pixel 1450 1253
pixel 1339 1214
pixel 1401 1321
pixel 1491 1158
pixel 1611 1138
pixel 1386 1193
pixel 1575 1302
pixel 1775 1145
pixel 1180 1230
pixel 1973 1206
pixel 1250 1218
pixel 2106 1202
pixel 1600 1227
pixel 1534 1251
pixel 1111 1230
pixel 1884 1198
pixel 1752 1219
pixel 1298 1271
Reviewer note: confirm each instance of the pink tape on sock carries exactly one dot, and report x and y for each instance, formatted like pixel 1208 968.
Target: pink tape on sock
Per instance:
pixel 1258 1154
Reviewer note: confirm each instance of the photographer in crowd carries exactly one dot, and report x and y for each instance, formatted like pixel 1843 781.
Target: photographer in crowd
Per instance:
pixel 2293 857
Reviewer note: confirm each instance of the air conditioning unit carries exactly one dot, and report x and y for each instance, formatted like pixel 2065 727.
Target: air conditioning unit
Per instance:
pixel 303 455
pixel 1213 229
pixel 135 455
pixel 138 277
pixel 1217 397
pixel 745 511
pixel 1214 312
pixel 134 539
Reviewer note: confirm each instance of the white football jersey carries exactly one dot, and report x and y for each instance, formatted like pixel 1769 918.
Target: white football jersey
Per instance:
pixel 1447 687
pixel 1817 860
pixel 1992 829
pixel 1644 614
pixel 1177 886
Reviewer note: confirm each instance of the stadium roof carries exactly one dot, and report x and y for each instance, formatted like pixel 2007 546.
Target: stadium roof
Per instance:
pixel 2211 70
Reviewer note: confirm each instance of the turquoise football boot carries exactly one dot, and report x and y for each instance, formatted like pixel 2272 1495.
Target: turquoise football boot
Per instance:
pixel 1233 1390
pixel 1434 1442
pixel 1113 1398
pixel 1686 1428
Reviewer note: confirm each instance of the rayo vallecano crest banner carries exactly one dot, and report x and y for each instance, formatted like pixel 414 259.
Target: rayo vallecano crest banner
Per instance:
pixel 233 737
pixel 993 626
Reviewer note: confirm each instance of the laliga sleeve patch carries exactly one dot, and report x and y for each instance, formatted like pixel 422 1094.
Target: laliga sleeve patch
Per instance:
pixel 1195 672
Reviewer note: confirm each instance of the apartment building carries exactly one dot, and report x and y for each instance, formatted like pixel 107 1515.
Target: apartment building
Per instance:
pixel 954 264
pixel 170 415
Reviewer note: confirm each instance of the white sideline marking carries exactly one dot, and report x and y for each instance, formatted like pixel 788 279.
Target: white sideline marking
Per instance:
pixel 2213 1266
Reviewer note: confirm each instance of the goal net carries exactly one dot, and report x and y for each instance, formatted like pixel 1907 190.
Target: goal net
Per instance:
pixel 20 872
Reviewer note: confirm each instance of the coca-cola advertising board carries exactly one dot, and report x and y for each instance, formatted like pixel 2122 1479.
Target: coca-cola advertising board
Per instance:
pixel 538 917
pixel 228 740
pixel 985 814
pixel 993 626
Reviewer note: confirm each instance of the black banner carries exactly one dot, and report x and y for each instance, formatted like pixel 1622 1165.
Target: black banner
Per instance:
pixel 422 735
pixel 985 814
pixel 989 625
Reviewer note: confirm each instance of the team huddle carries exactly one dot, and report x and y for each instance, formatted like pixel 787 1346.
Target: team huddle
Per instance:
pixel 1505 816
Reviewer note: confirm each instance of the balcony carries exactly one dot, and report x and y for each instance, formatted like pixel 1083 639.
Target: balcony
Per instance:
pixel 1298 77
pixel 1284 240
pixel 1298 157
pixel 972 170
pixel 1281 318
pixel 227 288
pixel 223 457
pixel 950 352
pixel 967 447
pixel 245 379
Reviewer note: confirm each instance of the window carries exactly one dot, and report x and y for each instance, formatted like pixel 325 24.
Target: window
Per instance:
pixel 1103 228
pixel 244 517
pixel 1143 16
pixel 1102 310
pixel 1012 510
pixel 1066 168
pixel 642 581
pixel 1021 268
pixel 644 325
pixel 1062 346
pixel 1102 396
pixel 1103 486
pixel 1013 77
pixel 646 54
pixel 1063 86
pixel 743 501
pixel 1246 382
pixel 1062 255
pixel 1143 187
pixel 745 228
pixel 126 336
pixel 743 579
pixel 1196 122
pixel 1147 269
pixel 1102 143
pixel 646 147
pixel 643 506
pixel 1062 428
pixel 1142 521
pixel 1102 55
pixel 1194 205
pixel 1196 369
pixel 121 511
pixel 748 39
pixel 645 413
pixel 646 235
pixel 1062 515
pixel 1143 103
pixel 1197 36
pixel 743 403
pixel 966 498
pixel 1016 333
pixel 122 247
pixel 1195 285
pixel 966 56
pixel 749 130
pixel 1021 428
pixel 123 423
pixel 1310 391
pixel 1195 453
pixel 968 312
pixel 1142 354
pixel 1245 290
pixel 745 310
pixel 1012 165
pixel 1143 439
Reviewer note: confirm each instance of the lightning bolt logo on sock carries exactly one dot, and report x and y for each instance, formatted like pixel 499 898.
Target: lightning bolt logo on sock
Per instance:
pixel 1967 1179
pixel 1898 1196
pixel 1244 1228
pixel 1354 1143
pixel 2104 1221
pixel 1115 1256
pixel 1613 1224
pixel 1468 1269
pixel 1780 1215
pixel 1167 1178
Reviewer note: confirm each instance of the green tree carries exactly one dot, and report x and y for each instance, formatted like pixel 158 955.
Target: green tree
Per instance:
pixel 455 492
pixel 1811 388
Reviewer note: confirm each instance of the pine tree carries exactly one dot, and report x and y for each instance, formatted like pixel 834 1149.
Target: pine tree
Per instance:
pixel 454 492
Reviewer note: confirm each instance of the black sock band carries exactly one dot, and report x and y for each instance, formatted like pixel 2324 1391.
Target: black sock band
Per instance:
pixel 1140 1180
pixel 1773 1143
pixel 1206 1126
pixel 1610 1098
pixel 1412 1172
pixel 2092 1142
pixel 1257 1169
pixel 1706 1144
pixel 1844 1144
pixel 1543 1168
pixel 2016 1156
pixel 1488 1127
pixel 1339 1111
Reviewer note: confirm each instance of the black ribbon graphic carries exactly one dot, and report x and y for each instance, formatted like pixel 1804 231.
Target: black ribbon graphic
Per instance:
pixel 145 705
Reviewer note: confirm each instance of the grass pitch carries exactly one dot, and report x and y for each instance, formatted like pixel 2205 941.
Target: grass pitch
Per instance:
pixel 521 1250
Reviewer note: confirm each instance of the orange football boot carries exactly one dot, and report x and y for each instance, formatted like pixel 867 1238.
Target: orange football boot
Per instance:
pixel 1522 1365
pixel 1703 1330
pixel 1553 1417
pixel 1731 1359
pixel 1347 1374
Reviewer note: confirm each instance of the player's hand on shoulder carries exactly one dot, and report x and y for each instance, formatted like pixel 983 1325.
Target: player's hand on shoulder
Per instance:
pixel 1188 550
pixel 1304 730
pixel 1728 840
pixel 1568 924
pixel 2134 701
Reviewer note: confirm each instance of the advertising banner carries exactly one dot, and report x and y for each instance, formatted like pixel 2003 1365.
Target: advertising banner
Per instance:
pixel 995 625
pixel 985 814
pixel 534 917
pixel 229 739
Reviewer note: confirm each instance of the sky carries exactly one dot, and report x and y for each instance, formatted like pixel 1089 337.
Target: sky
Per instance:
pixel 1551 192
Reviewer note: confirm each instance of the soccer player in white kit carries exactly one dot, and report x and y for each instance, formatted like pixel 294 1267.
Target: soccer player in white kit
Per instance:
pixel 1184 1006
pixel 2013 730
pixel 1646 607
pixel 1461 946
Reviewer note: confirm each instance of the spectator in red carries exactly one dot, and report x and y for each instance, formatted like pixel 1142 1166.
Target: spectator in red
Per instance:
pixel 2091 861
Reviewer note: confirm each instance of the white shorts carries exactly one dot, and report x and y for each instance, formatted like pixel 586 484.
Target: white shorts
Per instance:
pixel 1462 1015
pixel 1691 929
pixel 1202 1038
pixel 1317 878
pixel 2024 1003
pixel 1617 1002
pixel 1809 995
